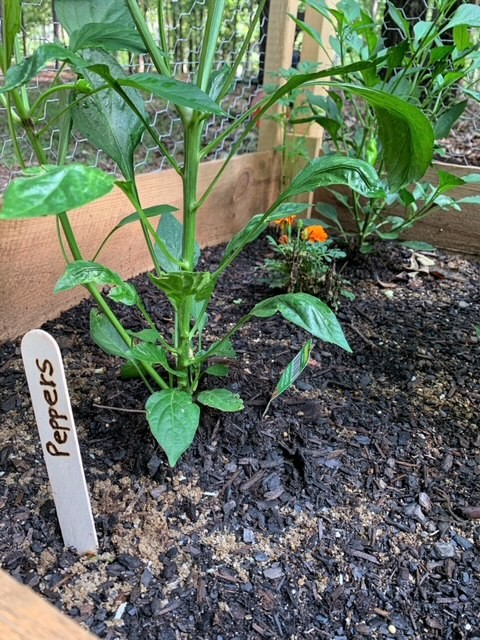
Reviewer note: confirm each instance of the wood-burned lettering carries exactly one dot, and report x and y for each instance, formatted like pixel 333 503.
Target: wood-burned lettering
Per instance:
pixel 57 421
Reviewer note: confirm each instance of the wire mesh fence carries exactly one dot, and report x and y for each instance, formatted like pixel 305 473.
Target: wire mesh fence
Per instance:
pixel 185 22
pixel 462 145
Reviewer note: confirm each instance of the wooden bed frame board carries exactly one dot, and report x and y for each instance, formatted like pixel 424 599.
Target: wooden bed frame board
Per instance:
pixel 31 260
pixel 24 615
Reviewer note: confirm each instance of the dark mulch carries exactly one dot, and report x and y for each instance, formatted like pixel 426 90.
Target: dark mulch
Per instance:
pixel 343 513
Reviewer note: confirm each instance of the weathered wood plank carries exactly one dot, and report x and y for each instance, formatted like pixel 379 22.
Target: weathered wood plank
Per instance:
pixel 26 616
pixel 31 260
pixel 450 230
pixel 280 40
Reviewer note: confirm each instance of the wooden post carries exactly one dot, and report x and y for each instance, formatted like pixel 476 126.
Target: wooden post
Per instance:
pixel 280 39
pixel 26 616
pixel 311 133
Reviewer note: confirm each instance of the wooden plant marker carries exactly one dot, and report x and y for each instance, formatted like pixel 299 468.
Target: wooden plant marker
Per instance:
pixel 53 413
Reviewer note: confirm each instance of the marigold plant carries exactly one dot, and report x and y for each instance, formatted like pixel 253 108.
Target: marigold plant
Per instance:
pixel 314 233
pixel 304 259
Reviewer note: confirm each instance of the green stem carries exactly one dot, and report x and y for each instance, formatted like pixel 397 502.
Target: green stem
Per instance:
pixel 209 42
pixel 155 54
pixel 11 119
pixel 161 27
pixel 211 146
pixel 192 136
pixel 18 58
pixel 246 42
pixel 76 102
pixel 147 227
pixel 102 303
pixel 48 92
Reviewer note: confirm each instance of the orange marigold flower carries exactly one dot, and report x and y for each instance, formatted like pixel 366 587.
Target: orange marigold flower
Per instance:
pixel 283 239
pixel 315 233
pixel 285 222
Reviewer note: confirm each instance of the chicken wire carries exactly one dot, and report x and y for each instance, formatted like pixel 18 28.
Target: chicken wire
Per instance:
pixel 462 146
pixel 185 21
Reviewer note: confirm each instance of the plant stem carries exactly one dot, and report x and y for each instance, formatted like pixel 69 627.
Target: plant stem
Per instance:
pixel 161 27
pixel 232 74
pixel 209 42
pixel 156 55
pixel 192 136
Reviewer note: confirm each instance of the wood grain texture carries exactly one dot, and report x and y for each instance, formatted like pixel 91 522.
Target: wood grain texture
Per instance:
pixel 31 260
pixel 281 36
pixel 449 230
pixel 26 616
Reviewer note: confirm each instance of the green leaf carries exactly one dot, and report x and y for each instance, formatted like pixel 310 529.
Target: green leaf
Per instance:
pixel 405 132
pixel 445 122
pixel 180 284
pixel 180 93
pixel 424 33
pixel 417 245
pixel 440 53
pixel 82 272
pixel 30 67
pixel 469 200
pixel 466 14
pixel 50 190
pixel 471 178
pixel 130 371
pixel 219 370
pixel 197 308
pixel 221 399
pixel 74 14
pixel 173 418
pixel 292 371
pixel 12 22
pixel 105 119
pixel 223 348
pixel 153 354
pixel 396 55
pixel 150 212
pixel 448 181
pixel 329 212
pixel 461 38
pixel 217 80
pixel 106 336
pixel 170 230
pixel 110 37
pixel 307 312
pixel 146 335
pixel 399 19
pixel 333 170
pixel 308 29
pixel 255 226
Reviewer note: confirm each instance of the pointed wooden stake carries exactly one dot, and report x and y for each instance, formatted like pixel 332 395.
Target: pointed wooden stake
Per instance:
pixel 51 404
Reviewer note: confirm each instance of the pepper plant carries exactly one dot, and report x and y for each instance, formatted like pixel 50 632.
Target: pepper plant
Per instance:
pixel 434 67
pixel 106 106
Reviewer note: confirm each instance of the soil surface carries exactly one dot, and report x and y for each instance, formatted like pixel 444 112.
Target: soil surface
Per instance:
pixel 350 510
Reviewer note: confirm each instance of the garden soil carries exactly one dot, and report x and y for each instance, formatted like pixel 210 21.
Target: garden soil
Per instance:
pixel 351 509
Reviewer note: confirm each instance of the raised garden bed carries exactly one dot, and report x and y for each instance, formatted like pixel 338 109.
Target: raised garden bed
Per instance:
pixel 350 510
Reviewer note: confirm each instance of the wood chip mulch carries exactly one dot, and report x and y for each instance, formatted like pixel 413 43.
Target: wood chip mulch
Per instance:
pixel 351 510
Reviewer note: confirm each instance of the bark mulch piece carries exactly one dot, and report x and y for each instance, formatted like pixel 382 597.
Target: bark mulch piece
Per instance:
pixel 351 510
